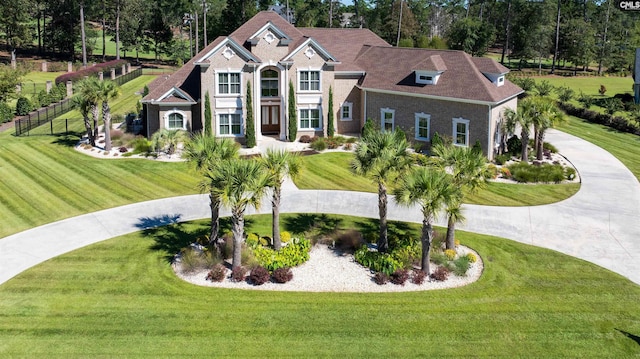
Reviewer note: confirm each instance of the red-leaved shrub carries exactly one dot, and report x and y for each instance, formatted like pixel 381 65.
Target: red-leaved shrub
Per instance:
pixel 380 278
pixel 238 274
pixel 282 275
pixel 400 276
pixel 259 276
pixel 440 274
pixel 217 273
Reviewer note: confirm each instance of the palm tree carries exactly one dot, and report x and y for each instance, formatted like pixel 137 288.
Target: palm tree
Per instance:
pixel 544 115
pixel 240 184
pixel 84 106
pixel 88 90
pixel 107 91
pixel 382 156
pixel 507 127
pixel 527 108
pixel 467 168
pixel 432 189
pixel 208 153
pixel 279 165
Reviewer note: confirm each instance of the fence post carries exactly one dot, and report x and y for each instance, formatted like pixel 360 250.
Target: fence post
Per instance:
pixel 66 126
pixel 51 126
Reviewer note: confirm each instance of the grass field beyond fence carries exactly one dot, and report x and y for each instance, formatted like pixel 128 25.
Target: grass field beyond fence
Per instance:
pixel 121 298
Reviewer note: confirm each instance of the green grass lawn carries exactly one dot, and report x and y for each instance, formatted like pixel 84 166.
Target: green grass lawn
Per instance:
pixel 624 146
pixel 44 179
pixel 591 85
pixel 331 171
pixel 120 298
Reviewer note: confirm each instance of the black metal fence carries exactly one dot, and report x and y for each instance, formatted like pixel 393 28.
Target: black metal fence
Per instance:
pixel 42 116
pixel 46 114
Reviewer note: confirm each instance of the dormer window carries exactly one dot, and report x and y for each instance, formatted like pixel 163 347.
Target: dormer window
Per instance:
pixel 426 78
pixel 496 79
pixel 500 80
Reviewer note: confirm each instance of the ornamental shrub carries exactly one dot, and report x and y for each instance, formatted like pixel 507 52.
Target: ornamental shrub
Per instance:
pixel 217 273
pixel 570 173
pixel 450 254
pixel 23 106
pixel 305 139
pixel 282 275
pixel 471 257
pixel 456 242
pixel 461 265
pixel 418 276
pixel 252 240
pixel 440 274
pixel 492 171
pixel 381 278
pixel 104 67
pixel 504 171
pixel 43 99
pixel 291 255
pixel 514 145
pixel 259 276
pixel 285 236
pixel 400 276
pixel 502 159
pixel 377 261
pixel 6 113
pixel 238 274
pixel 319 144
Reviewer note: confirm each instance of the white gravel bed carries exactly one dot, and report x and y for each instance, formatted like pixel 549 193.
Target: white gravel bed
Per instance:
pixel 328 271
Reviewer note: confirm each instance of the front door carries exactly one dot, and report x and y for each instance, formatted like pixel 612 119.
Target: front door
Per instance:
pixel 270 119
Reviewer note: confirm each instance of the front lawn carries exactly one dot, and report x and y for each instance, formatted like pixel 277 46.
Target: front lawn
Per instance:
pixel 120 298
pixel 624 146
pixel 331 171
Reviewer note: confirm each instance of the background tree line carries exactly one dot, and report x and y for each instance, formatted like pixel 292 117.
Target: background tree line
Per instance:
pixel 583 31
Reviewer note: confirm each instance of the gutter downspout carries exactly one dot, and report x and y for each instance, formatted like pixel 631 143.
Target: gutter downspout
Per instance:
pixel 489 135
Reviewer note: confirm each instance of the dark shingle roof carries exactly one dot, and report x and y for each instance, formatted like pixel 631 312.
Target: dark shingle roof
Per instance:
pixel 391 69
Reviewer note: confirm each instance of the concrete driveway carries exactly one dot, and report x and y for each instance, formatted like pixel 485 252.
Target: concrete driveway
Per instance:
pixel 600 224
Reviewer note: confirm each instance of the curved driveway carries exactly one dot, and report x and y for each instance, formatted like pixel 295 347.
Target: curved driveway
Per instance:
pixel 600 224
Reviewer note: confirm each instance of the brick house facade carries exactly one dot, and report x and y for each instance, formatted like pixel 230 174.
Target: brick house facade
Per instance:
pixel 421 91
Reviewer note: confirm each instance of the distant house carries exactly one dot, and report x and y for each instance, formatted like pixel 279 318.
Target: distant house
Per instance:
pixel 421 91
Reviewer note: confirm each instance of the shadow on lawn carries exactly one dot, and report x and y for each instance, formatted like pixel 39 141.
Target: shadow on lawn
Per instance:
pixel 68 140
pixel 312 224
pixel 633 337
pixel 169 235
pixel 370 229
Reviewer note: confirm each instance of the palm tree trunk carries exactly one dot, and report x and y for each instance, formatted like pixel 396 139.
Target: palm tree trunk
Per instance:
pixel 540 144
pixel 87 126
pixel 427 234
pixel 106 114
pixel 383 242
pixel 237 223
pixel 215 218
pixel 275 214
pixel 94 114
pixel 451 230
pixel 525 143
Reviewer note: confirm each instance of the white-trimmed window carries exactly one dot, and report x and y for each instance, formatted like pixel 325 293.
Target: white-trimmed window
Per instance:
pixel 310 119
pixel 309 80
pixel 175 120
pixel 269 83
pixel 229 83
pixel 460 132
pixel 346 111
pixel 230 124
pixel 387 119
pixel 423 122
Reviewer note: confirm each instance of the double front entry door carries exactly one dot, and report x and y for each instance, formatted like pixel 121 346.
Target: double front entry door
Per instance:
pixel 270 119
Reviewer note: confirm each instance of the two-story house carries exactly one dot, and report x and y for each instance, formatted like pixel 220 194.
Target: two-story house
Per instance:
pixel 421 91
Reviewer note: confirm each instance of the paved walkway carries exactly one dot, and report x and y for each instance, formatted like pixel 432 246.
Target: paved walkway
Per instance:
pixel 600 224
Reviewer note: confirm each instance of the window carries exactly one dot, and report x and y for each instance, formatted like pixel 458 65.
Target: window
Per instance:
pixel 175 120
pixel 346 111
pixel 387 119
pixel 500 80
pixel 310 119
pixel 229 83
pixel 269 83
pixel 422 126
pixel 309 80
pixel 230 124
pixel 460 132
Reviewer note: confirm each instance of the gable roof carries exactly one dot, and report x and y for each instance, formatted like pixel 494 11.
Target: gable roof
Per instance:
pixel 265 19
pixel 489 66
pixel 186 78
pixel 314 44
pixel 230 43
pixel 462 79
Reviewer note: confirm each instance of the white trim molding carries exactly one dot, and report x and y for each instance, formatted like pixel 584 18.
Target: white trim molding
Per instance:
pixel 175 111
pixel 422 116
pixel 454 133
